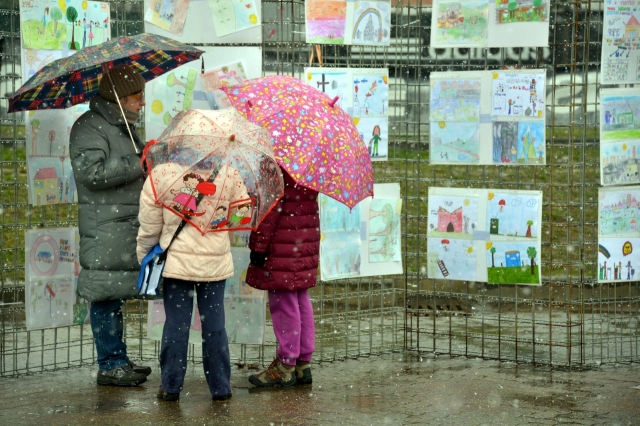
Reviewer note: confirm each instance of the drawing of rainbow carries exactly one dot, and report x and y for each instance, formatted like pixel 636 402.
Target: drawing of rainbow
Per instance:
pixel 368 11
pixel 602 249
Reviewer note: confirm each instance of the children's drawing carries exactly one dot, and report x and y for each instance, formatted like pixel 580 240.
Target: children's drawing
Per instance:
pixel 620 115
pixel 51 252
pixel 453 217
pixel 513 215
pixel 370 95
pixel 169 15
pixel 518 94
pixel 230 16
pixel 466 117
pixel 340 255
pixel 464 222
pixel 326 21
pixel 453 142
pixel 384 230
pixel 519 142
pixel 451 259
pixel 513 262
pixel 455 100
pixel 375 134
pixel 226 76
pixel 348 22
pixel 364 94
pixel 81 311
pixel 47 131
pixel 461 23
pixel 35 59
pixel 245 319
pixel 619 162
pixel 616 261
pixel 333 84
pixel 50 175
pixel 49 302
pixel 335 217
pixel 169 94
pixel 620 49
pixel 64 25
pixel 508 11
pixel 371 23
pixel 51 180
pixel 619 211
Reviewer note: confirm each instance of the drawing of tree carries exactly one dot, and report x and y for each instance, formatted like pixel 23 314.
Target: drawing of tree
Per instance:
pixel 493 251
pixel 72 15
pixel 35 128
pixel 537 7
pixel 56 15
pixel 513 4
pixel 529 223
pixel 532 252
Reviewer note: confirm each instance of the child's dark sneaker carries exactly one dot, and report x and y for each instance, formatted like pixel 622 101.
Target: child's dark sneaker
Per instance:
pixel 121 376
pixel 142 369
pixel 303 373
pixel 221 397
pixel 277 374
pixel 167 396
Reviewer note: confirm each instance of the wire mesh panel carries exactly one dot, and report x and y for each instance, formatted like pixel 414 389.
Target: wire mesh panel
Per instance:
pixel 570 320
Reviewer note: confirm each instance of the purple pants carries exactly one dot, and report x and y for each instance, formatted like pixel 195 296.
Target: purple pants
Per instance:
pixel 292 316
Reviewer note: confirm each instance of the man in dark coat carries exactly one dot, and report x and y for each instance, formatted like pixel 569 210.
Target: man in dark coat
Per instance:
pixel 105 154
pixel 284 260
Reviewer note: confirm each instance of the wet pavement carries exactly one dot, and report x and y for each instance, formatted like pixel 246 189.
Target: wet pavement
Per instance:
pixel 394 389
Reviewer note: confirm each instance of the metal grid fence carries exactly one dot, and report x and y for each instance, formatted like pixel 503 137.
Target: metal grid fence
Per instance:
pixel 569 321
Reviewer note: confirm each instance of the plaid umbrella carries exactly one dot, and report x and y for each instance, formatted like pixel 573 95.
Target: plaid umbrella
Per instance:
pixel 75 79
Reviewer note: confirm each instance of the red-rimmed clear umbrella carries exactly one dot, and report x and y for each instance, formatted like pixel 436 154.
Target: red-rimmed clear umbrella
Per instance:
pixel 215 169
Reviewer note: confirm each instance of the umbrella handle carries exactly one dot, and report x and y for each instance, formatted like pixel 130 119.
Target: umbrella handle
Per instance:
pixel 143 157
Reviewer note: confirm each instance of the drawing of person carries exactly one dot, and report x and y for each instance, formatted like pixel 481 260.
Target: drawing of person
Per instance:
pixel 373 143
pixel 90 33
pixel 186 196
pixel 219 218
pixel 239 217
pixel 84 36
pixel 44 19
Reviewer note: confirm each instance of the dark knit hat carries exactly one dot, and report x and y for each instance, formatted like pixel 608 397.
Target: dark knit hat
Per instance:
pixel 126 80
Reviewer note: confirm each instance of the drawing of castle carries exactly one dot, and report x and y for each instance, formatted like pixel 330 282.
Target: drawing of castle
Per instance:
pixel 450 221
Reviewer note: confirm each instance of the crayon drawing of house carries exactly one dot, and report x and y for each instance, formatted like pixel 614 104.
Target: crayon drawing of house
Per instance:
pixel 45 186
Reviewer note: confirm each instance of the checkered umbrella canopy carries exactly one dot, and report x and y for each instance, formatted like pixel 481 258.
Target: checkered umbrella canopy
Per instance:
pixel 75 79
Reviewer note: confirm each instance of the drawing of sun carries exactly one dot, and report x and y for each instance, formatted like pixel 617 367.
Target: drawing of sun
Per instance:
pixel 469 250
pixel 309 76
pixel 495 75
pixel 442 124
pixel 491 195
pixel 253 19
pixel 624 146
pixel 466 201
pixel 156 106
pixel 489 245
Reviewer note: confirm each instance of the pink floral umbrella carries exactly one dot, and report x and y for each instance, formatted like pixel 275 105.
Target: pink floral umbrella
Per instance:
pixel 315 141
pixel 215 169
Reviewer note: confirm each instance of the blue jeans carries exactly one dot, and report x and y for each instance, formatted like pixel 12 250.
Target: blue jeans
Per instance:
pixel 107 327
pixel 178 307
